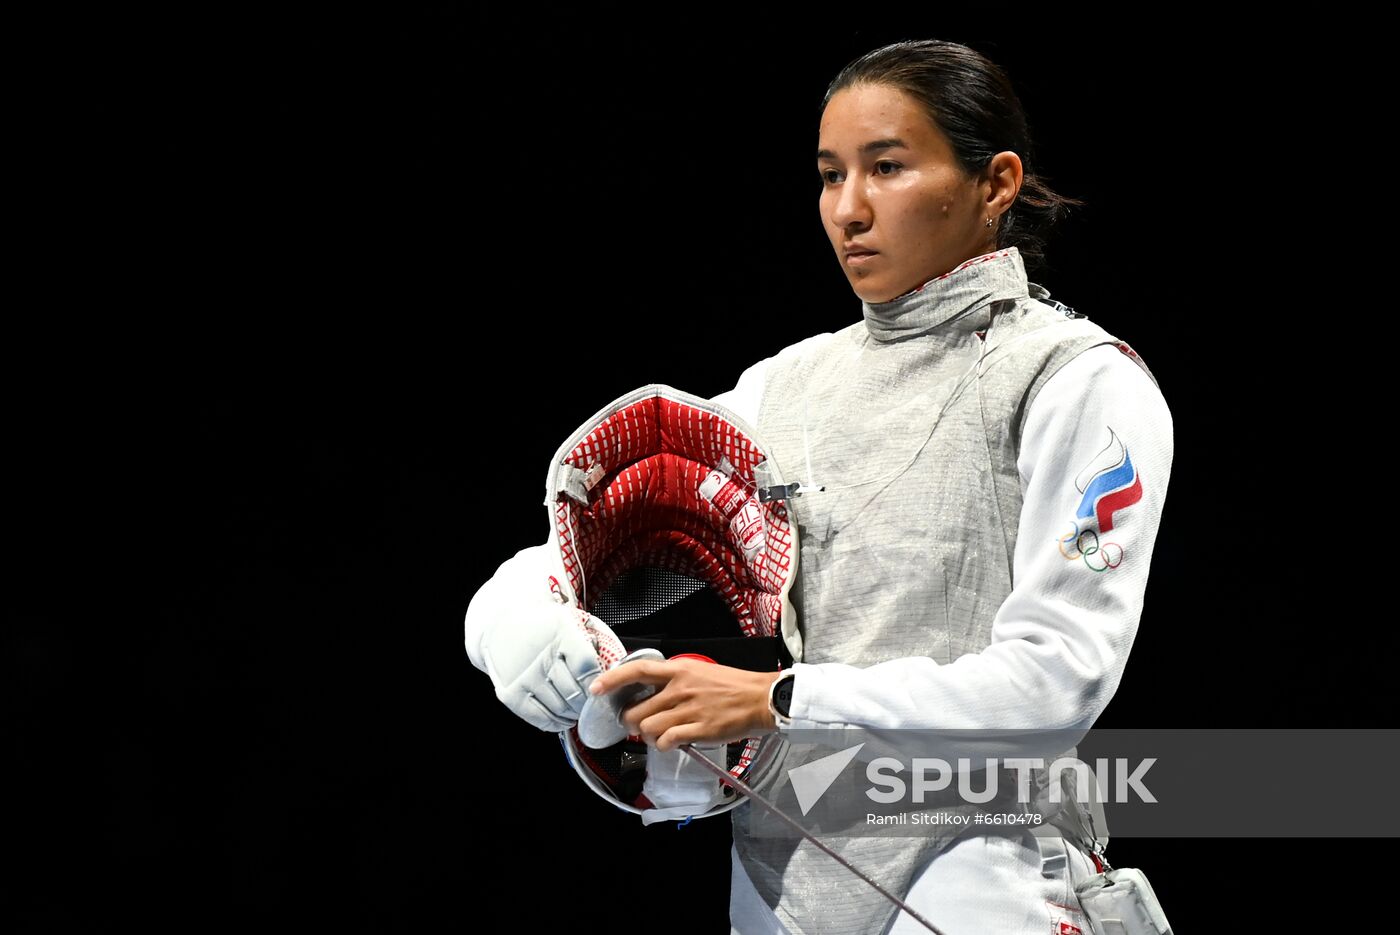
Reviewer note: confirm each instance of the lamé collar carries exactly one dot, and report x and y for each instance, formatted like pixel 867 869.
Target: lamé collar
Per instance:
pixel 949 301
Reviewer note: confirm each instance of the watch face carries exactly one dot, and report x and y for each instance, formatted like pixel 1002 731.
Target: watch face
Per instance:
pixel 782 695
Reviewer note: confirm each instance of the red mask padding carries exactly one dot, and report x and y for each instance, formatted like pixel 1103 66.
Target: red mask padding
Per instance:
pixel 646 509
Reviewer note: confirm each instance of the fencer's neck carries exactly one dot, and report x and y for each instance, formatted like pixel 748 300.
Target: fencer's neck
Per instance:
pixel 951 299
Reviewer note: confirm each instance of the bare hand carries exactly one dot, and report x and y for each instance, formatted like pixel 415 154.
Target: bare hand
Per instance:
pixel 697 701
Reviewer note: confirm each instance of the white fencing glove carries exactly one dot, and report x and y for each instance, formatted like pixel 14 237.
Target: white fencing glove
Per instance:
pixel 542 656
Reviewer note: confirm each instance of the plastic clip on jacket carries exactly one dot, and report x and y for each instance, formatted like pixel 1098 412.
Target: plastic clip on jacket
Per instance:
pixel 786 491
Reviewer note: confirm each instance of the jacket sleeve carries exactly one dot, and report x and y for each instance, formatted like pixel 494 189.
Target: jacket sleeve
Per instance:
pixel 1095 458
pixel 747 394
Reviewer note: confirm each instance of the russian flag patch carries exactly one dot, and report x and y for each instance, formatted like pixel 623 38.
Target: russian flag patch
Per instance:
pixel 1108 484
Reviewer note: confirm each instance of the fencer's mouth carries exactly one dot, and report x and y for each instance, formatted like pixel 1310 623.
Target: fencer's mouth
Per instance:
pixel 858 258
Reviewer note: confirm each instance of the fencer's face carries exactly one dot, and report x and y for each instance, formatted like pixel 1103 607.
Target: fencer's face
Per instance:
pixel 891 184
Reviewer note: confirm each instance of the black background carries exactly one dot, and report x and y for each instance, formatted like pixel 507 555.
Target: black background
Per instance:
pixel 319 297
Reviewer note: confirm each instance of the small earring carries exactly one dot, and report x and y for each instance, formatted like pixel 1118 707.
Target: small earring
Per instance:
pixel 989 222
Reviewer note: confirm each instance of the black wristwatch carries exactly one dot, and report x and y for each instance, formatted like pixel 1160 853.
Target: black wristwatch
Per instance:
pixel 780 698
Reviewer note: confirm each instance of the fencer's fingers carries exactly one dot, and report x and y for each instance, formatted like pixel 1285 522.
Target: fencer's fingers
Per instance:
pixel 557 692
pixel 680 734
pixel 646 671
pixel 537 715
pixel 635 713
pixel 547 697
pixel 566 677
pixel 655 725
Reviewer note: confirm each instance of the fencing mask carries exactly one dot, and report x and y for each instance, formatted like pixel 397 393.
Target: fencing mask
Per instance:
pixel 671 530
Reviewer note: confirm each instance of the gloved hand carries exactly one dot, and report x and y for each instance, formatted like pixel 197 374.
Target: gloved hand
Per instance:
pixel 542 659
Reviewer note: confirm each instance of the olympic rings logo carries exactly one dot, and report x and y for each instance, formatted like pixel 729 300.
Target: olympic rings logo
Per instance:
pixel 1098 556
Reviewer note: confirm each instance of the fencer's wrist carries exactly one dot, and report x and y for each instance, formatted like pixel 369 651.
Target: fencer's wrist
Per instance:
pixel 765 718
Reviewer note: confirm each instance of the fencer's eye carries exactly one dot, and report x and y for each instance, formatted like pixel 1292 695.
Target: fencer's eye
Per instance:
pixel 893 165
pixel 826 175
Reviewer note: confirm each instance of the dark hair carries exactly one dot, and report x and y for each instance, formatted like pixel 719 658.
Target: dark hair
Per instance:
pixel 970 99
